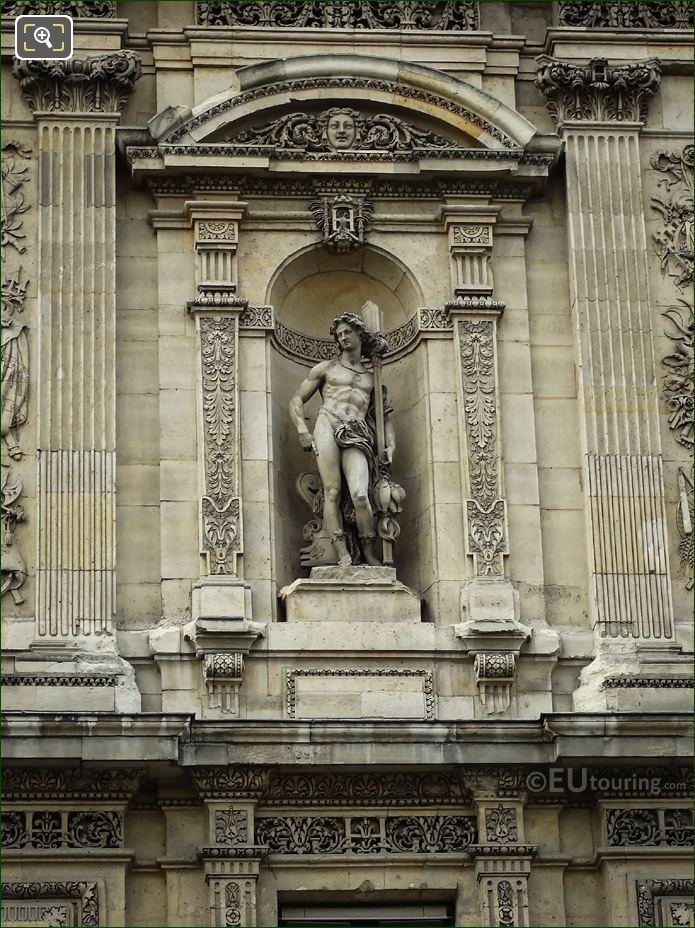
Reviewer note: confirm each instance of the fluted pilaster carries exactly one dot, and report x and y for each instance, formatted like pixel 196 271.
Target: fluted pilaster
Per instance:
pixel 599 110
pixel 76 105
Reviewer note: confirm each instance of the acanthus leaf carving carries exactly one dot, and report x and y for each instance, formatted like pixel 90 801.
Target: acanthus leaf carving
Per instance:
pixel 649 827
pixel 100 84
pixel 231 827
pixel 220 505
pixel 598 91
pixel 231 782
pixel 656 14
pixel 501 826
pixel 340 129
pixel 442 834
pixel 479 404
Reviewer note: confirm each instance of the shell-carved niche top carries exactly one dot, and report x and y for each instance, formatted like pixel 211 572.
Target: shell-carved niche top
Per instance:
pixel 342 129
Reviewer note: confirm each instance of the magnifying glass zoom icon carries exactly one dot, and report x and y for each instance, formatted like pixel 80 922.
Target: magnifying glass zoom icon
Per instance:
pixel 41 34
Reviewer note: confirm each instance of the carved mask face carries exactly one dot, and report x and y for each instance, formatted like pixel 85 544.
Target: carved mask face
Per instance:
pixel 341 131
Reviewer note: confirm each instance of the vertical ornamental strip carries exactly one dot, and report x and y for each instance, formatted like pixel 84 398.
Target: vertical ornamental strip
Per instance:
pixel 475 315
pixel 600 110
pixel 76 105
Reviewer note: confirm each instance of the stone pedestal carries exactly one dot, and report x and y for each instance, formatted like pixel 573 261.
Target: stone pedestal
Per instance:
pixel 350 594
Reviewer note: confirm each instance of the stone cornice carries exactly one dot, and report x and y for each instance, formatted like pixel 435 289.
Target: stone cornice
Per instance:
pixel 80 85
pixel 597 91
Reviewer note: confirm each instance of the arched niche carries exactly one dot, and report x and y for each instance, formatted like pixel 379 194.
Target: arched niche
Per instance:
pixel 307 291
pixel 313 285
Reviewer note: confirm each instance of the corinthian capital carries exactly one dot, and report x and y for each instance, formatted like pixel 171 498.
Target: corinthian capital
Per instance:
pixel 597 92
pixel 80 85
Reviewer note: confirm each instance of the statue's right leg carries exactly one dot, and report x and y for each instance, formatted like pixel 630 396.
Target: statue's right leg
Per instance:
pixel 328 459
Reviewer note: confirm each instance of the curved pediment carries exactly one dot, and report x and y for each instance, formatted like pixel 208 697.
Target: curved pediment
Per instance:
pixel 342 108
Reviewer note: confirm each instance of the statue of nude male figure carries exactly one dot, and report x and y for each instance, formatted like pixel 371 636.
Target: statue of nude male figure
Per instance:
pixel 343 441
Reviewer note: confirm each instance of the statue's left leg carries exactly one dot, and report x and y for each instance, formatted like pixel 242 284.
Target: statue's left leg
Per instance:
pixel 356 472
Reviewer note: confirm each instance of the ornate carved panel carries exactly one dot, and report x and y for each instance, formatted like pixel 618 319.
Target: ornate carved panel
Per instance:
pixel 656 14
pixel 34 783
pixel 664 902
pixel 221 530
pixel 449 15
pixel 485 510
pixel 649 827
pixel 674 242
pixel 92 9
pixel 375 789
pixel 366 834
pixel 339 128
pixel 66 903
pixel 231 827
pixel 51 829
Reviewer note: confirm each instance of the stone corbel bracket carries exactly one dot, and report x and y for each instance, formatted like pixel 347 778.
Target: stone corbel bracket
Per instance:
pixel 494 677
pixel 494 639
pixel 222 638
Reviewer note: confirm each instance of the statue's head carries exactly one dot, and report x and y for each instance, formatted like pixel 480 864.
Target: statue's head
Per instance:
pixel 346 325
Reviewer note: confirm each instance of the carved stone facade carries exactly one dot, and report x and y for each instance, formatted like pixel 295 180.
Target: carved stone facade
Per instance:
pixel 206 719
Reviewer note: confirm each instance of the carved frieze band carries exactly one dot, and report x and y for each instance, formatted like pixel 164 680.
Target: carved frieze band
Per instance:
pixel 370 834
pixel 14 361
pixel 26 903
pixel 100 84
pixel 446 15
pixel 308 788
pixel 221 533
pixel 303 187
pixel 32 783
pixel 307 348
pixel 55 829
pixel 485 510
pixel 598 91
pixel 649 827
pixel 657 14
pixel 78 9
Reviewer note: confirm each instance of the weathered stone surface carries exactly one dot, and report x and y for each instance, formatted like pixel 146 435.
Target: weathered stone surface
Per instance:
pixel 493 730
